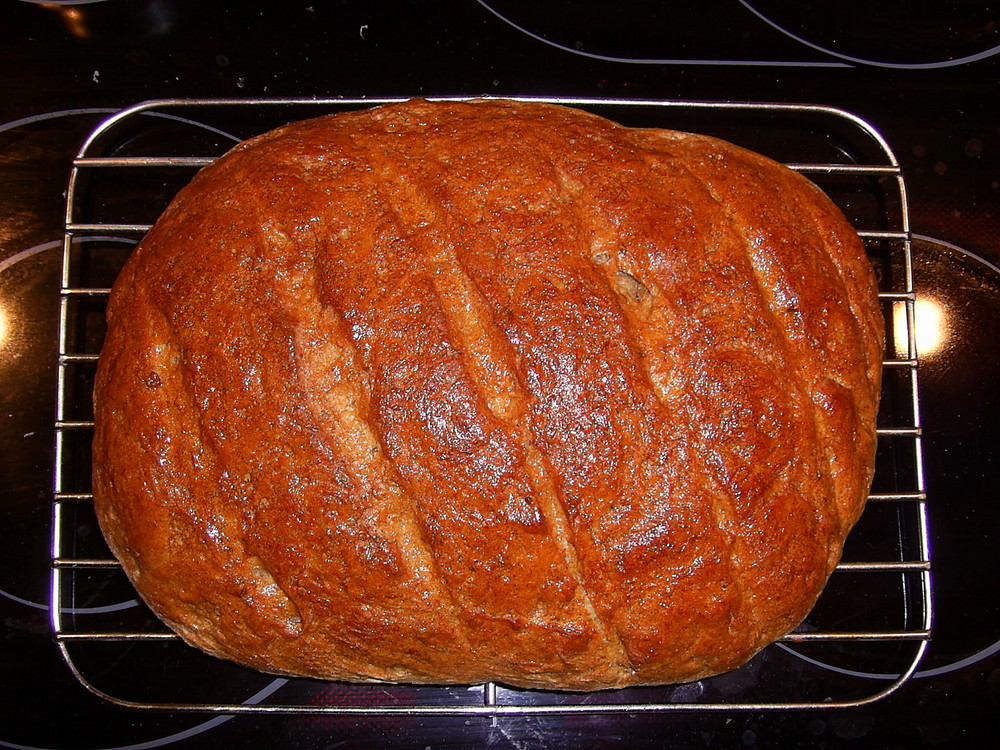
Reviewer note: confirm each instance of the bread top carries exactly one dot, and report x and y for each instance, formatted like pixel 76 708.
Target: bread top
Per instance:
pixel 457 392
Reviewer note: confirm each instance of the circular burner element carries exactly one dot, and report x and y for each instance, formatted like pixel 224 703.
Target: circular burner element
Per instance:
pixel 893 33
pixel 653 32
pixel 600 29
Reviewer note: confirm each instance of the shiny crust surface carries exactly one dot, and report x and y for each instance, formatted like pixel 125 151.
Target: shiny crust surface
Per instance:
pixel 457 392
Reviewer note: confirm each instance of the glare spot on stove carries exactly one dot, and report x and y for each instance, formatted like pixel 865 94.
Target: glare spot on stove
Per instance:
pixel 73 18
pixel 930 328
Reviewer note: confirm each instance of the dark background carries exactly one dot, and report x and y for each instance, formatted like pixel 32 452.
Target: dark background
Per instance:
pixel 924 74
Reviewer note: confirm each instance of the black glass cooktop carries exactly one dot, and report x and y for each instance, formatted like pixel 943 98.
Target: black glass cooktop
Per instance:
pixel 925 75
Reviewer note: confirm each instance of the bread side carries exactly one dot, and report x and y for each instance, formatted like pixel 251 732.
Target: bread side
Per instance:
pixel 488 391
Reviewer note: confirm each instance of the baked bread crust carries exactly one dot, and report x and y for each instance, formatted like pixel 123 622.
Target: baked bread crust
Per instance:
pixel 458 392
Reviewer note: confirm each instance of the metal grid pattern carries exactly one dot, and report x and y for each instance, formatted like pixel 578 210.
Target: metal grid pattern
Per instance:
pixel 892 569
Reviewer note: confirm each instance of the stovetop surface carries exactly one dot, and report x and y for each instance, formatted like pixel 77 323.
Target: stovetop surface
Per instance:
pixel 927 75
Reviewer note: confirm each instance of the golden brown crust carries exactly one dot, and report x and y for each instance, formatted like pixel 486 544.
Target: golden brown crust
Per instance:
pixel 488 391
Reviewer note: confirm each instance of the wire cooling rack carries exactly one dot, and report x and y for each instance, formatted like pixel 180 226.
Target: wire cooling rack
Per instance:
pixel 863 640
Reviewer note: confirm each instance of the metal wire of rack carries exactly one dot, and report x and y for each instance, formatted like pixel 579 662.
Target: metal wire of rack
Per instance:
pixel 129 168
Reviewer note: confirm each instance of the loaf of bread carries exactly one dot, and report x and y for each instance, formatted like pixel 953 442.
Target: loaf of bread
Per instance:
pixel 488 391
